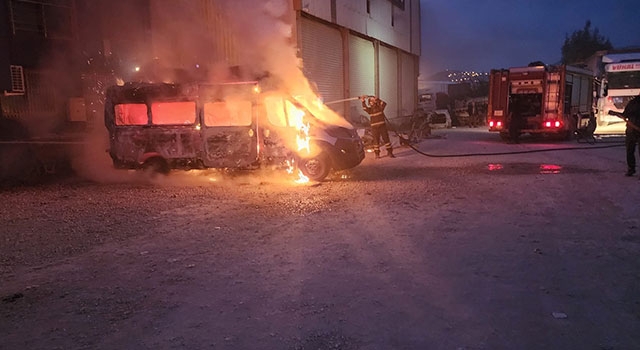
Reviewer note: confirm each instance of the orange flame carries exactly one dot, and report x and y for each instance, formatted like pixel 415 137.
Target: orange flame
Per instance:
pixel 302 139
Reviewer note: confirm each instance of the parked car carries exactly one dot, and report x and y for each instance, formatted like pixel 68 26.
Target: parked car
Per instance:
pixel 440 118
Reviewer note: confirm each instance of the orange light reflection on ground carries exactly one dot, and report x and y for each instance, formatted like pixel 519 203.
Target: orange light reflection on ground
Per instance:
pixel 550 169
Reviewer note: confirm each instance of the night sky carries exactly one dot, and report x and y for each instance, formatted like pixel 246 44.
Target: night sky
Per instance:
pixel 484 34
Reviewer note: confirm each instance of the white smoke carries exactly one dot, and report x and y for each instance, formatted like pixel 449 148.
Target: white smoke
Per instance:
pixel 263 45
pixel 264 39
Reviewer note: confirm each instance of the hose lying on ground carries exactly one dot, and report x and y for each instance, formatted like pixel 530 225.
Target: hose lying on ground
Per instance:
pixel 406 142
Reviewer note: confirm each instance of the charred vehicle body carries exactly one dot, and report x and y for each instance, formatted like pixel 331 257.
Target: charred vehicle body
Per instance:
pixel 160 127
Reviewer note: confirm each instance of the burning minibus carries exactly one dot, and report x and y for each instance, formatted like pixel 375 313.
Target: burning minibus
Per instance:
pixel 163 126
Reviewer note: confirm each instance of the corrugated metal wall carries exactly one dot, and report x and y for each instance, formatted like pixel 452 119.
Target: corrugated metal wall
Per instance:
pixel 223 42
pixel 408 84
pixel 323 60
pixel 42 100
pixel 362 73
pixel 362 69
pixel 388 73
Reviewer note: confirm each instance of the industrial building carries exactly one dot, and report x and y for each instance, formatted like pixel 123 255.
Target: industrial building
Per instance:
pixel 368 47
pixel 58 56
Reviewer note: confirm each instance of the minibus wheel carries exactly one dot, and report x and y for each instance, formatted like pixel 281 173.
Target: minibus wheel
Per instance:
pixel 316 168
pixel 156 165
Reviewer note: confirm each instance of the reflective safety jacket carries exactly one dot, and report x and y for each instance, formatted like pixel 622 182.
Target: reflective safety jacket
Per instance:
pixel 376 111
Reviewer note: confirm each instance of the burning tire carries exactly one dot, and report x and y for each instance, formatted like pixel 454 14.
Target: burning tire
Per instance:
pixel 316 168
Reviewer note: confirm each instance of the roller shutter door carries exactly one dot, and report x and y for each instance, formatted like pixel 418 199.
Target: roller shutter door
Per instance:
pixel 323 60
pixel 361 73
pixel 408 85
pixel 389 80
pixel 361 66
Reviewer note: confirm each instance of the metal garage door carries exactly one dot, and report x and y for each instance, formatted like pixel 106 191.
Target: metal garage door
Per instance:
pixel 408 84
pixel 389 80
pixel 361 72
pixel 361 66
pixel 323 60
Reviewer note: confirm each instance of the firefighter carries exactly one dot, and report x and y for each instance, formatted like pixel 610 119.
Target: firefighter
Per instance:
pixel 375 108
pixel 514 127
pixel 472 116
pixel 515 121
pixel 631 114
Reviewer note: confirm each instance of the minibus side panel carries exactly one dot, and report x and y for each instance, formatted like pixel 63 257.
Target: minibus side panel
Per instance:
pixel 229 133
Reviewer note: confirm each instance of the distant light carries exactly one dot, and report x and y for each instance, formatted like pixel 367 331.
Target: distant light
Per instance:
pixel 197 66
pixel 137 69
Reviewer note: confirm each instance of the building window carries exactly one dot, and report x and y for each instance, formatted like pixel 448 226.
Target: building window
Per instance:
pixel 227 113
pixel 17 79
pixel 368 6
pixel 131 114
pixel 51 19
pixel 173 113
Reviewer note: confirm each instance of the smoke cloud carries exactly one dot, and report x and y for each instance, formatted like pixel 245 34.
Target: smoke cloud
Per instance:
pixel 255 37
pixel 265 42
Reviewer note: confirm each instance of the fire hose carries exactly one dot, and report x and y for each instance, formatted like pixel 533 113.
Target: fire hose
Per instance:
pixel 405 141
pixel 343 100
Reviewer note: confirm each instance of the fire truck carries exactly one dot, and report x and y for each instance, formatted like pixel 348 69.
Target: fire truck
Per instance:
pixel 543 100
pixel 620 82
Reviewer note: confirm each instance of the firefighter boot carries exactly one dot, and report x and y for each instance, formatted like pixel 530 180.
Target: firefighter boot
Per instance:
pixel 390 153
